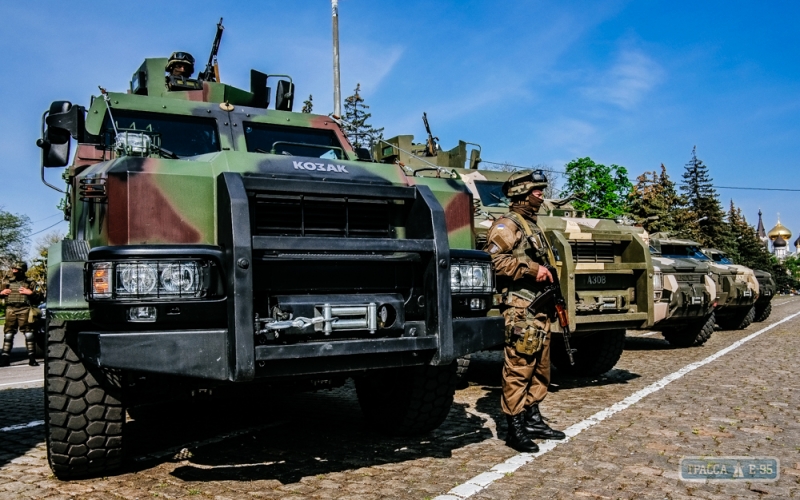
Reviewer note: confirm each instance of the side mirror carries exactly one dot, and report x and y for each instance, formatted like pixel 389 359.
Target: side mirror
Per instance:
pixel 284 96
pixel 63 120
pixel 364 154
pixel 258 86
pixel 474 159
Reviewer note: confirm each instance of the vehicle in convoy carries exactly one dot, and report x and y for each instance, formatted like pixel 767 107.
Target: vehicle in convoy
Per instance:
pixel 684 296
pixel 214 241
pixel 736 286
pixel 766 284
pixel 604 267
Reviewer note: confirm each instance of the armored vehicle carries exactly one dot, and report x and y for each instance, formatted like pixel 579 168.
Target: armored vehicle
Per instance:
pixel 216 241
pixel 766 284
pixel 684 295
pixel 736 286
pixel 604 267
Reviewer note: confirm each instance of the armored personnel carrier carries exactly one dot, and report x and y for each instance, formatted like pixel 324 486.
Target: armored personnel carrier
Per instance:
pixel 766 284
pixel 736 286
pixel 604 267
pixel 215 240
pixel 684 295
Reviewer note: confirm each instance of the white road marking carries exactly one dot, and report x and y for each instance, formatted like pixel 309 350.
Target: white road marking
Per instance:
pixel 22 383
pixel 485 479
pixel 35 423
pixel 648 334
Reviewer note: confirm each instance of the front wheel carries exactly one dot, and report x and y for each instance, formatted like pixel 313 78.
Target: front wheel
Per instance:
pixel 594 355
pixel 84 414
pixel 407 401
pixel 739 321
pixel 763 312
pixel 692 335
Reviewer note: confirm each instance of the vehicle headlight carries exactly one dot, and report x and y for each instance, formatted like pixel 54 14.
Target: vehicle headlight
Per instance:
pixel 466 277
pixel 658 281
pixel 147 279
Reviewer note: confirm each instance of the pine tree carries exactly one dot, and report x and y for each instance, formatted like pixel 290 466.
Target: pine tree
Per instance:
pixel 308 104
pixel 748 249
pixel 708 227
pixel 358 131
pixel 602 191
pixel 654 195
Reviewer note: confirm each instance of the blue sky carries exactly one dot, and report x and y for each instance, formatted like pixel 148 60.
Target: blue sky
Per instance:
pixel 631 83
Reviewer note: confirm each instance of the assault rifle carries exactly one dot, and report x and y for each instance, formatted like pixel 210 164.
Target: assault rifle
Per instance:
pixel 211 73
pixel 432 148
pixel 559 311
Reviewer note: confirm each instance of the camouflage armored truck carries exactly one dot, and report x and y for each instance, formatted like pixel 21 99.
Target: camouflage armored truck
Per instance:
pixel 766 284
pixel 684 295
pixel 736 286
pixel 214 241
pixel 604 267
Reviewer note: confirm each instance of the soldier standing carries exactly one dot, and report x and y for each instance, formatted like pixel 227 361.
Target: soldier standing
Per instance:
pixel 18 292
pixel 519 253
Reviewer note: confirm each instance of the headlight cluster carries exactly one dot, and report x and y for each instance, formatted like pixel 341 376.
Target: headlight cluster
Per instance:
pixel 658 281
pixel 471 277
pixel 147 279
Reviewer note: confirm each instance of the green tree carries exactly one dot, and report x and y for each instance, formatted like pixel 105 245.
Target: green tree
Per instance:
pixel 38 269
pixel 360 133
pixel 706 220
pixel 602 191
pixel 748 249
pixel 655 203
pixel 308 104
pixel 14 229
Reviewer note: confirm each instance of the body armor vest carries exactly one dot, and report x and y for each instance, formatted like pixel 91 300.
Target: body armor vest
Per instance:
pixel 533 247
pixel 16 298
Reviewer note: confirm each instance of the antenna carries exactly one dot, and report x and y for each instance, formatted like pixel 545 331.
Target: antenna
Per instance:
pixel 337 94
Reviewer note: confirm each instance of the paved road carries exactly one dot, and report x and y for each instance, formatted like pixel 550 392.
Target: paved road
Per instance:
pixel 316 445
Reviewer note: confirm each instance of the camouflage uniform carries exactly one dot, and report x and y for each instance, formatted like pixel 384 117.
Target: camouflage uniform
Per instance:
pixel 518 248
pixel 18 307
pixel 526 372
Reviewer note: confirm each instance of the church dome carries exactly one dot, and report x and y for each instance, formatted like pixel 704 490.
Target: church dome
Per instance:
pixel 797 242
pixel 779 230
pixel 779 242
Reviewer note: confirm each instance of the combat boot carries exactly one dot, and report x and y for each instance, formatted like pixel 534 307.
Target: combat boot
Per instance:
pixel 32 360
pixel 517 438
pixel 536 427
pixel 5 359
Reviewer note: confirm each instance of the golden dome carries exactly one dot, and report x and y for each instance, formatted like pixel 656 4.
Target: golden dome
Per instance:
pixel 779 230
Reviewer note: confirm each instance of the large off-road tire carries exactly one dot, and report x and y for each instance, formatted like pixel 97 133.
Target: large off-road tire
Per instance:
pixel 692 335
pixel 84 414
pixel 593 355
pixel 738 321
pixel 763 312
pixel 407 401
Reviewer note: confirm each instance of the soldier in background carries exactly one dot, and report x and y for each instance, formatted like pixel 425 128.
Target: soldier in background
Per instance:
pixel 180 64
pixel 20 297
pixel 519 253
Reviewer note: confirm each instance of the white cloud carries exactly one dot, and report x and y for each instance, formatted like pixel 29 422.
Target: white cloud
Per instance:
pixel 627 82
pixel 570 134
pixel 367 65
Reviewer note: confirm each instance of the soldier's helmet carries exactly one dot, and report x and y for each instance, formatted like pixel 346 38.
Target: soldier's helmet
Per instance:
pixel 22 266
pixel 523 182
pixel 180 57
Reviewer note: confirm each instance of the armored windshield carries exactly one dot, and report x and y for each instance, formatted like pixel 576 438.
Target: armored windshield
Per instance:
pixel 182 135
pixel 682 252
pixel 292 141
pixel 721 258
pixel 491 193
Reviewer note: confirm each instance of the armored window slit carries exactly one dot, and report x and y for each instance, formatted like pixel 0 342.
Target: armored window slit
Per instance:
pixel 303 215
